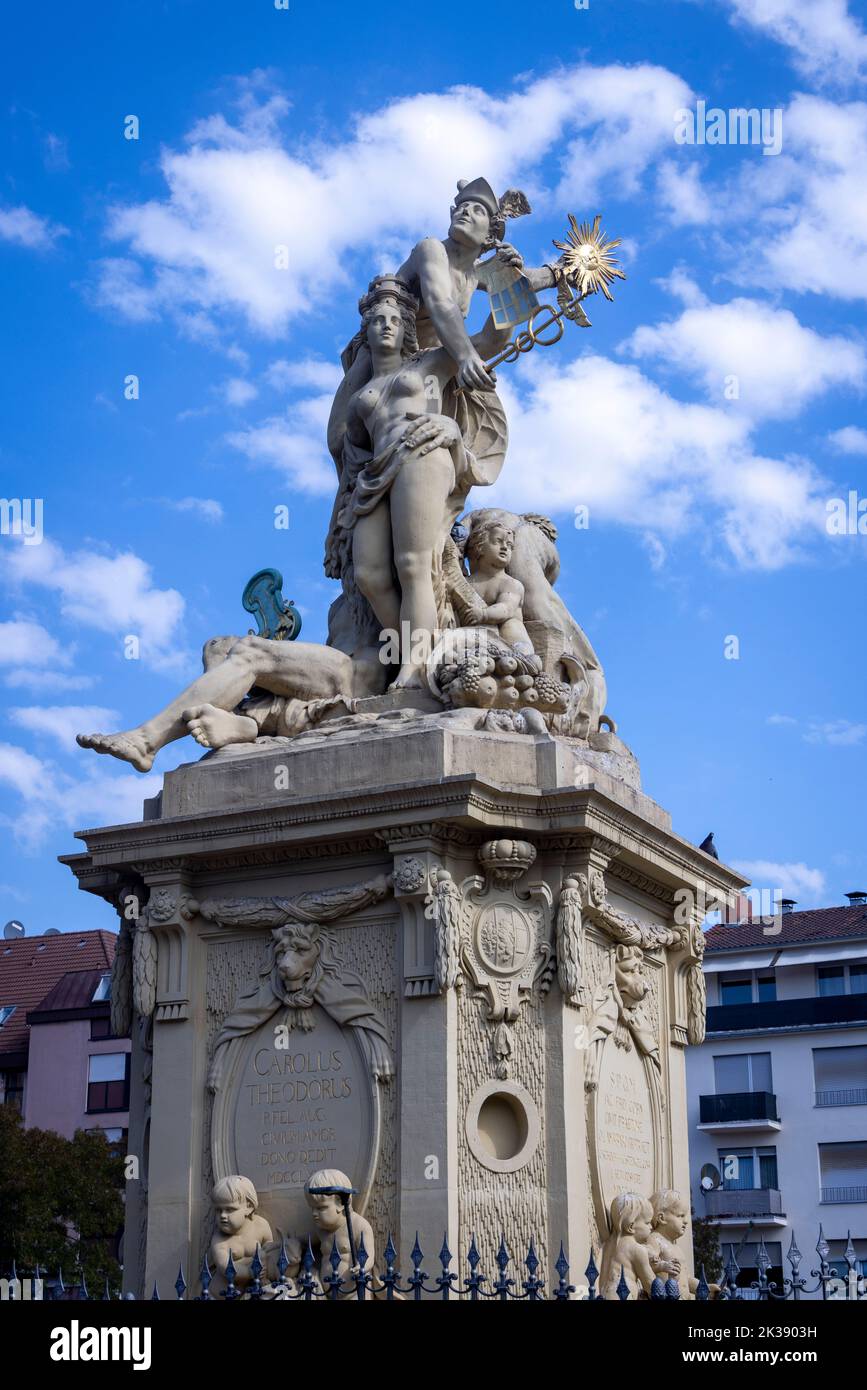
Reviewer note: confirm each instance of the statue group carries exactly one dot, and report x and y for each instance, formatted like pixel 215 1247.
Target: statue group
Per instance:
pixel 413 918
pixel 435 602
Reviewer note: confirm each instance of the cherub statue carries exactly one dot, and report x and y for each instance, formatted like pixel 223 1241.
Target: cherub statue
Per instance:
pixel 239 1228
pixel 626 1250
pixel 668 1225
pixel 323 1189
pixel 491 597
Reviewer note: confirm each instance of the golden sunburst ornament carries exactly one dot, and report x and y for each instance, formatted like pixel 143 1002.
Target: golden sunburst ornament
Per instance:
pixel 587 261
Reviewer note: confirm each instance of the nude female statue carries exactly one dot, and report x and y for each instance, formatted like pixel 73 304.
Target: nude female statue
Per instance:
pixel 407 470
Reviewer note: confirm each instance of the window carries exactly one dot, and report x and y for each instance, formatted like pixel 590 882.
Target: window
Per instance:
pixel 100 1028
pixel 12 1088
pixel 746 1255
pixel 115 1138
pixel 742 1071
pixel 6 1012
pixel 745 1170
pixel 842 979
pixel 832 980
pixel 840 1075
pixel 841 1269
pixel 102 991
pixel 843 1170
pixel 108 1081
pixel 767 989
pixel 736 991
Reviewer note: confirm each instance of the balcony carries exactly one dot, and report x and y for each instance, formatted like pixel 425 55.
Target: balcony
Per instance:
pixel 843 1194
pixel 734 1206
pixel 787 1014
pixel 847 1095
pixel 756 1110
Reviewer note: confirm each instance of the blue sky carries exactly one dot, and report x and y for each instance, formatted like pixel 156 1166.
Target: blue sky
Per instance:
pixel 706 419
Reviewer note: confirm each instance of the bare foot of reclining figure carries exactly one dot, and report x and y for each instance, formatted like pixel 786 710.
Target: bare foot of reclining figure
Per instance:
pixel 207 709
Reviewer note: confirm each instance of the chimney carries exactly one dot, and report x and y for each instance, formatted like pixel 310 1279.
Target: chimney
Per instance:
pixel 858 899
pixel 788 904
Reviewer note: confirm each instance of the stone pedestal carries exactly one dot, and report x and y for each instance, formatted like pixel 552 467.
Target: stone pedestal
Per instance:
pixel 527 1091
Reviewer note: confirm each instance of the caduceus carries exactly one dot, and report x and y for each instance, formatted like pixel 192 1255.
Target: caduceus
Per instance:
pixel 585 267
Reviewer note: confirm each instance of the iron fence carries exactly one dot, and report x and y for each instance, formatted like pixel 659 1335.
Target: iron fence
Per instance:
pixel 512 1283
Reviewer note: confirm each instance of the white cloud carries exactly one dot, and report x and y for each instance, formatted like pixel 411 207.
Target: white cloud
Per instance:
pixel 47 680
pixel 294 444
pixel 25 228
pixel 237 192
pixel 682 195
pixel 63 722
pixel 837 733
pixel 655 550
pixel 111 593
pixel 120 285
pixel 825 42
pixel 50 798
pixel 24 643
pixel 796 881
pixel 600 433
pixel 204 507
pixel 237 391
pixel 681 285
pixel 809 210
pixel 324 376
pixel 55 153
pixel 849 440
pixel 779 365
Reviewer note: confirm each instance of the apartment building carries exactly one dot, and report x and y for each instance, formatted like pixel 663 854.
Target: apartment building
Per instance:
pixel 59 1063
pixel 777 1093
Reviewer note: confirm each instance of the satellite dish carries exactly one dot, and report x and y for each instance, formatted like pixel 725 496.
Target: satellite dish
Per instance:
pixel 13 930
pixel 710 1178
pixel 51 931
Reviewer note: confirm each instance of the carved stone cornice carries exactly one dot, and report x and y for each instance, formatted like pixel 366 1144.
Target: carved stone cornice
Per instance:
pixel 459 811
pixel 437 834
pixel 663 892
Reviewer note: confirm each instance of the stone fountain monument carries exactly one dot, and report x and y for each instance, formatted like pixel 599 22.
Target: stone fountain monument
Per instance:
pixel 412 917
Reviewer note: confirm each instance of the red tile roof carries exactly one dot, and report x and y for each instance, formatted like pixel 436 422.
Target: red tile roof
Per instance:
pixel 31 966
pixel 74 990
pixel 799 928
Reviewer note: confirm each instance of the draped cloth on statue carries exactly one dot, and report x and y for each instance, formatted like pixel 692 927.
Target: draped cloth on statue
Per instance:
pixel 338 990
pixel 366 479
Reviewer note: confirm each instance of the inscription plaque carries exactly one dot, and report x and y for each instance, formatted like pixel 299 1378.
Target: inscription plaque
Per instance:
pixel 623 1142
pixel 286 1111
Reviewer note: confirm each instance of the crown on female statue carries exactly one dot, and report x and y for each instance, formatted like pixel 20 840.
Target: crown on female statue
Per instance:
pixel 387 287
pixel 512 204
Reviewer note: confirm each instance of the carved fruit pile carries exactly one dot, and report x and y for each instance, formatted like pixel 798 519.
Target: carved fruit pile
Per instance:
pixel 497 682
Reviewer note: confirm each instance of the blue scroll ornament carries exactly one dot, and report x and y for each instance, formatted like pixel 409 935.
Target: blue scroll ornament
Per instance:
pixel 263 597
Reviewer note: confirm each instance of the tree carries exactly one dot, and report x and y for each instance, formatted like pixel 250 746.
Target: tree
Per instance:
pixel 706 1248
pixel 61 1203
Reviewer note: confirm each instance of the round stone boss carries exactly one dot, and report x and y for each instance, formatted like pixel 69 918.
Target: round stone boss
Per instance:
pixel 503 1126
